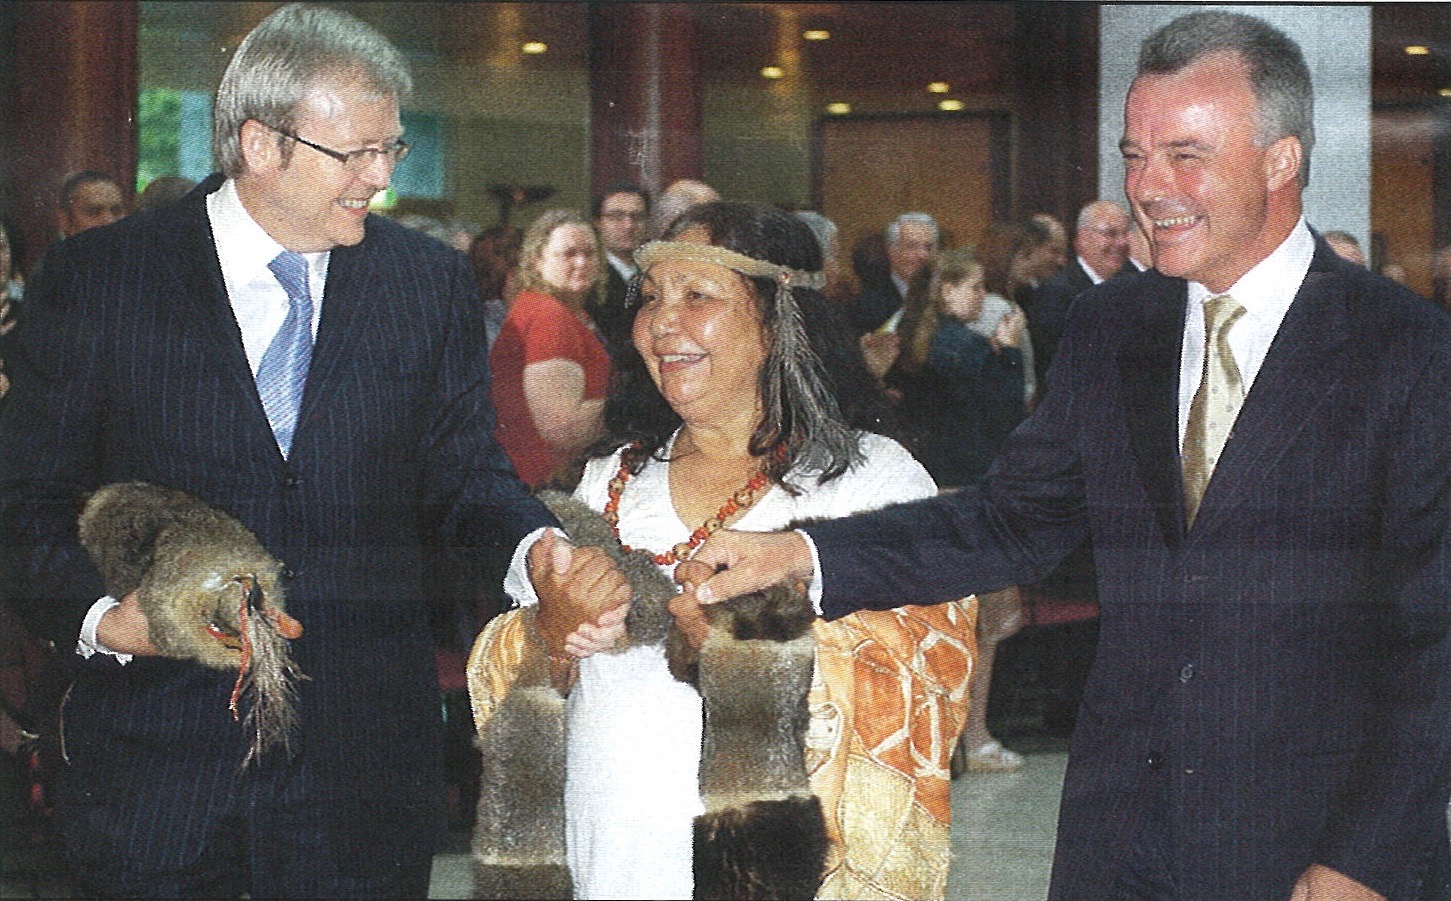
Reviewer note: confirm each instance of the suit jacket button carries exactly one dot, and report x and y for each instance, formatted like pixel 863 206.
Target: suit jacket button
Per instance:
pixel 290 480
pixel 1156 759
pixel 1186 673
pixel 288 574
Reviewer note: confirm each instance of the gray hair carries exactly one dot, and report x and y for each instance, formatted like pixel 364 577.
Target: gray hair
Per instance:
pixel 823 228
pixel 1284 95
pixel 283 56
pixel 894 228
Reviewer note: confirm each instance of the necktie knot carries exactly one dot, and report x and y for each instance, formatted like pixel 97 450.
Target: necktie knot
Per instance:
pixel 291 271
pixel 1221 312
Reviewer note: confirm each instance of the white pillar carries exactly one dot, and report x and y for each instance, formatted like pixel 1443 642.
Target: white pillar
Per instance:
pixel 1336 42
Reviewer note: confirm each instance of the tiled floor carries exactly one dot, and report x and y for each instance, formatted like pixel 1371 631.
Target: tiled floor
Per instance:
pixel 1002 836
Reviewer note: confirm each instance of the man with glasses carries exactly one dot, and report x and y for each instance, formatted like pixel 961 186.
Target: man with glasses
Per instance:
pixel 622 216
pixel 320 373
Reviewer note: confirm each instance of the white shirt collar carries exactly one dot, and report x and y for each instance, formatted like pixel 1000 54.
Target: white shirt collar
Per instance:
pixel 244 248
pixel 1267 290
pixel 1092 273
pixel 623 265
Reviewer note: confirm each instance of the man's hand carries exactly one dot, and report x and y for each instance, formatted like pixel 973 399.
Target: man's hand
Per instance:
pixel 743 562
pixel 124 629
pixel 1320 883
pixel 583 597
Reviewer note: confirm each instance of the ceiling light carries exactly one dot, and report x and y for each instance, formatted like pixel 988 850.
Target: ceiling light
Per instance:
pixel 838 109
pixel 535 47
pixel 773 72
pixel 816 34
pixel 950 106
pixel 1418 50
pixel 1445 92
pixel 938 87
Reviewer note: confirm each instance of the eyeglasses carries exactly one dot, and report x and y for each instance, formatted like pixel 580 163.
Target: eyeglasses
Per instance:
pixel 623 215
pixel 354 160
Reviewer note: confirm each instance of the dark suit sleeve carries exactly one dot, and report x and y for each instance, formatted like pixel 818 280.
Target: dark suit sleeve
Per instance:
pixel 1384 819
pixel 1028 514
pixel 470 480
pixel 49 433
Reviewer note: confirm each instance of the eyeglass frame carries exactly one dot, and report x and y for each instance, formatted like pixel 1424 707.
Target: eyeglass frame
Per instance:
pixel 396 153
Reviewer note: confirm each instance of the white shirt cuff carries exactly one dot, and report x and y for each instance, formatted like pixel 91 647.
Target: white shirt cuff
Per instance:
pixel 516 580
pixel 88 643
pixel 813 590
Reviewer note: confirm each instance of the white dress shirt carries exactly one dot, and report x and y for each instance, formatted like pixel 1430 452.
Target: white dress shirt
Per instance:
pixel 1265 292
pixel 259 302
pixel 624 267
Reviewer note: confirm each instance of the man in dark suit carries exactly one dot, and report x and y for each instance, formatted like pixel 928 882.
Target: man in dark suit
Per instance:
pixel 1101 246
pixel 145 357
pixel 622 216
pixel 1269 713
pixel 911 239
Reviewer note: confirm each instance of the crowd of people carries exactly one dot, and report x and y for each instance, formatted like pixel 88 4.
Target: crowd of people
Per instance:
pixel 891 460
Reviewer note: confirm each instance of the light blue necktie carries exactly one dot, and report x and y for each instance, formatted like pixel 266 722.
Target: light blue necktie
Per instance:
pixel 283 370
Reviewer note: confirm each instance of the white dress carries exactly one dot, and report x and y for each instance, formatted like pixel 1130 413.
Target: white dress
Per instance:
pixel 632 732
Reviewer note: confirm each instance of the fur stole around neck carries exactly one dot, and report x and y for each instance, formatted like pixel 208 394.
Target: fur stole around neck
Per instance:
pixel 763 834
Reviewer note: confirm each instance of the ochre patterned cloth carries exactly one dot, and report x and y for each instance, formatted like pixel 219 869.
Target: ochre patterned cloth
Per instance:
pixel 888 699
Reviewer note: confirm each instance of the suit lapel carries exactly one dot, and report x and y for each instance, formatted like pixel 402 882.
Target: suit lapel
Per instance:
pixel 350 275
pixel 1304 364
pixel 1149 373
pixel 192 259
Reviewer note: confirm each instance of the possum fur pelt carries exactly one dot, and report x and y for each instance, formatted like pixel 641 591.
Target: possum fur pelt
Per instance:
pixel 763 834
pixel 210 591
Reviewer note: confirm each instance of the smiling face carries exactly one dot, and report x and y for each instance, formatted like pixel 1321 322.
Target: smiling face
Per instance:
pixel 309 201
pixel 1212 202
pixel 569 262
pixel 700 333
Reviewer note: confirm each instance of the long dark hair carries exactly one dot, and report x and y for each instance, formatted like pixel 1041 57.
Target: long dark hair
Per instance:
pixel 636 411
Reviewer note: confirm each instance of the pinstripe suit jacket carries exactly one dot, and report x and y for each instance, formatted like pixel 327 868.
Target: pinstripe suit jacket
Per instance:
pixel 131 366
pixel 1273 683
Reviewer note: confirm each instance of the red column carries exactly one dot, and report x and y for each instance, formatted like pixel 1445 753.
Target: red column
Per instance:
pixel 75 75
pixel 645 94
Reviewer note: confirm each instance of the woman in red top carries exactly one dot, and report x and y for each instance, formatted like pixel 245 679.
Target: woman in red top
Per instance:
pixel 550 370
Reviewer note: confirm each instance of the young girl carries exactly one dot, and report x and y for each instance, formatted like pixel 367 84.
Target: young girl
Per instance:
pixel 966 388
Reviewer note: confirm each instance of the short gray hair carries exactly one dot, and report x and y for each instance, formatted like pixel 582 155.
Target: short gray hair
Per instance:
pixel 1284 94
pixel 894 228
pixel 283 55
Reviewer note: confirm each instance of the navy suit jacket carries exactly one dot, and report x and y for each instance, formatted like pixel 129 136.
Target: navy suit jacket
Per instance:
pixel 1272 686
pixel 131 366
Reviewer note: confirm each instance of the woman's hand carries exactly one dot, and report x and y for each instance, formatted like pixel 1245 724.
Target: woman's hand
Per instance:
pixel 583 597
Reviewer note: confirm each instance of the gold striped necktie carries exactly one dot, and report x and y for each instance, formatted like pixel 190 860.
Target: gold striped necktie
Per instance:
pixel 1216 403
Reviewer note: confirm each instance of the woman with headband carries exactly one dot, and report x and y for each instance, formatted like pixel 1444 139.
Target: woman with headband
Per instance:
pixel 749 406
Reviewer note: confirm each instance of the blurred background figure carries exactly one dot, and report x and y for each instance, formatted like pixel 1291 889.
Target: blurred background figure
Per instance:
pixel 622 216
pixel 1346 245
pixel 164 191
pixel 679 196
pixel 551 370
pixel 1010 253
pixel 832 264
pixel 911 240
pixel 494 256
pixel 89 199
pixel 1100 247
pixel 1056 249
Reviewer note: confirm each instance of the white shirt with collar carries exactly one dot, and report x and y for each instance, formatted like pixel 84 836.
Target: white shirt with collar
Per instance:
pixel 1265 292
pixel 259 302
pixel 1088 270
pixel 244 249
pixel 625 267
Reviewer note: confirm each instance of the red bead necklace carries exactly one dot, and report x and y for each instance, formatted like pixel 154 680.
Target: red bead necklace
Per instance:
pixel 741 500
